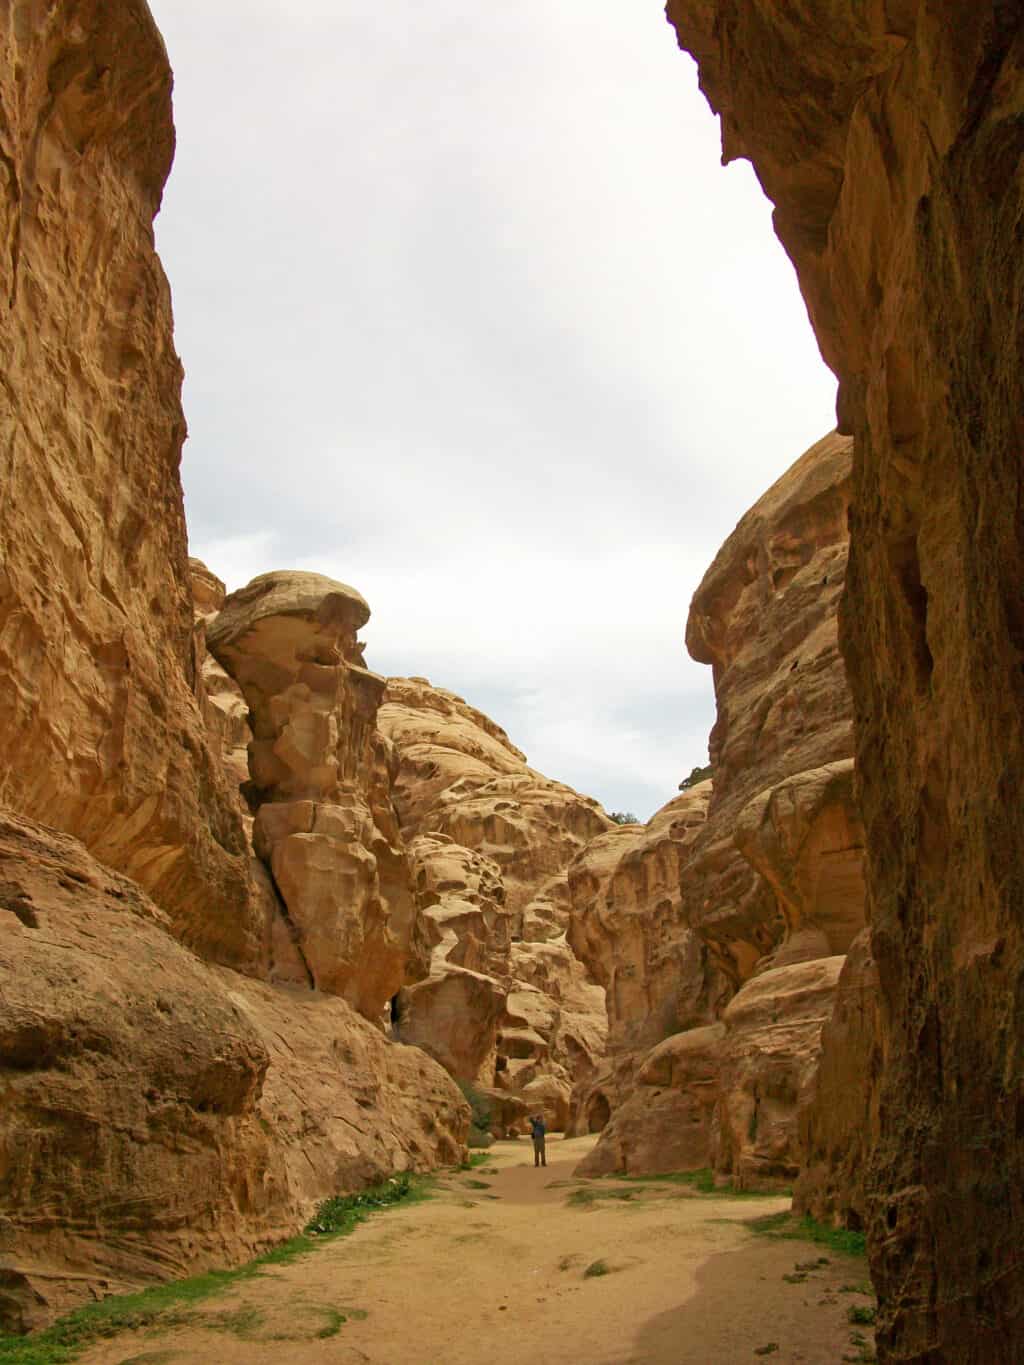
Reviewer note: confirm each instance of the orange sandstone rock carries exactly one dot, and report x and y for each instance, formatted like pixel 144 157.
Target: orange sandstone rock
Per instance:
pixel 503 1003
pixel 101 732
pixel 169 1115
pixel 889 138
pixel 323 827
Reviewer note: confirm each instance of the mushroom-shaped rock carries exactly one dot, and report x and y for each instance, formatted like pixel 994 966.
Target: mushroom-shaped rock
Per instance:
pixel 324 824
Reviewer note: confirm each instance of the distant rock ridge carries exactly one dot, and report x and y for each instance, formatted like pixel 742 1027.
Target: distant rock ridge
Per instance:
pixel 503 1003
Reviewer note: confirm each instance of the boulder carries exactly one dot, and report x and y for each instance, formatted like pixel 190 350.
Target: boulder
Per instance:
pixel 171 1116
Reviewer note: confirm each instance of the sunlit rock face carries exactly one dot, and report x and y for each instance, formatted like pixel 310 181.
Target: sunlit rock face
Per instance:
pixel 780 850
pixel 101 732
pixel 169 1115
pixel 889 138
pixel 628 926
pixel 739 890
pixel 503 1002
pixel 324 825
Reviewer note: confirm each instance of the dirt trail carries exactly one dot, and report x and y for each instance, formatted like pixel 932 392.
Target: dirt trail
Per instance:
pixel 491 1272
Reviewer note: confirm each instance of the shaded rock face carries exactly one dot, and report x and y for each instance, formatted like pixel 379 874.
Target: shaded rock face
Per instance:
pixel 503 1002
pixel 668 1119
pixel 324 825
pixel 225 710
pixel 836 1127
pixel 768 1070
pixel 889 138
pixel 167 1114
pixel 100 728
pixel 629 928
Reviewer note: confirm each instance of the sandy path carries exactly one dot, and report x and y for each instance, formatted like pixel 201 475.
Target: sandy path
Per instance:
pixel 495 1277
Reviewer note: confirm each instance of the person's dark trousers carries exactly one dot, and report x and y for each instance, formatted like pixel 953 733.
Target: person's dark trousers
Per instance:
pixel 539 1155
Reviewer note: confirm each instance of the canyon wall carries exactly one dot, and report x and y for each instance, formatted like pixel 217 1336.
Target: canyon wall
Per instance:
pixel 503 1002
pixel 731 913
pixel 175 1094
pixel 889 138
pixel 163 1115
pixel 100 728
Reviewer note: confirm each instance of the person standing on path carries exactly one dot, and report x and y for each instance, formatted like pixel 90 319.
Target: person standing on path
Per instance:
pixel 537 1131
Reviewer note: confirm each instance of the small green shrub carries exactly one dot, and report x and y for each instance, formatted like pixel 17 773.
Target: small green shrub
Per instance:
pixel 475 1159
pixel 788 1226
pixel 862 1315
pixel 173 1304
pixel 343 1212
pixel 596 1269
pixel 623 817
pixel 697 776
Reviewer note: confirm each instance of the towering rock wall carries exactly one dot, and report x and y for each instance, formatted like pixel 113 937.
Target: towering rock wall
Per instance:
pixel 160 1114
pixel 100 730
pixel 160 1110
pixel 747 949
pixel 889 137
pixel 503 1003
pixel 770 859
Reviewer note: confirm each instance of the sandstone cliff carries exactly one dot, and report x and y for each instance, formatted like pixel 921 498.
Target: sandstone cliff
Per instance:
pixel 889 138
pixel 101 732
pixel 160 1114
pixel 504 1003
pixel 737 903
pixel 161 1110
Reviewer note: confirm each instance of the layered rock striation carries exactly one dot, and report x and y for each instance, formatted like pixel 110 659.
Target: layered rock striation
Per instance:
pixel 504 1004
pixel 889 139
pixel 730 914
pixel 100 727
pixel 323 824
pixel 162 1114
pixel 164 1107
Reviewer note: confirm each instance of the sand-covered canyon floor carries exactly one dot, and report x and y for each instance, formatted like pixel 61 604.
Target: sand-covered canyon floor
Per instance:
pixel 492 1269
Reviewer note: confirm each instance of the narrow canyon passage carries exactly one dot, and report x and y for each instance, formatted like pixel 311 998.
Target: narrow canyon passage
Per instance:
pixel 493 1268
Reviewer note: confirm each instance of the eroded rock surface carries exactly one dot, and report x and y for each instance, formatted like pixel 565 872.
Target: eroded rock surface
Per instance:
pixel 101 732
pixel 765 618
pixel 324 825
pixel 504 1003
pixel 740 880
pixel 889 138
pixel 168 1115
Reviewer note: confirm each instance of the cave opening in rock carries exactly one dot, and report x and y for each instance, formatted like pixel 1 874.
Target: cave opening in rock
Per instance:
pixel 598 1114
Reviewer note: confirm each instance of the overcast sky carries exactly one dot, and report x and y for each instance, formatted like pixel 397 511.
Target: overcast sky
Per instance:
pixel 473 320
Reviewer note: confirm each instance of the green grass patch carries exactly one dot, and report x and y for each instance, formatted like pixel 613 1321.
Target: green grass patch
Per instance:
pixel 581 1199
pixel 596 1269
pixel 703 1181
pixel 789 1226
pixel 860 1315
pixel 475 1159
pixel 175 1304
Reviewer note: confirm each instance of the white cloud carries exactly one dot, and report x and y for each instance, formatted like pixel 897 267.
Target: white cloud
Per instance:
pixel 473 319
